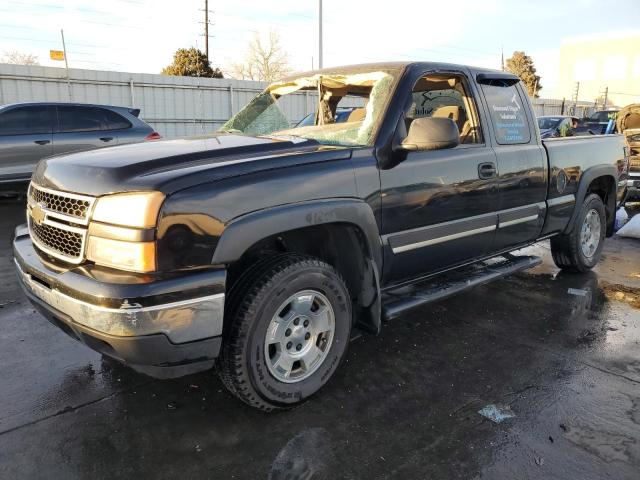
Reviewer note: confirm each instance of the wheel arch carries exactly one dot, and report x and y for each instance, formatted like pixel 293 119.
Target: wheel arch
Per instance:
pixel 331 230
pixel 600 180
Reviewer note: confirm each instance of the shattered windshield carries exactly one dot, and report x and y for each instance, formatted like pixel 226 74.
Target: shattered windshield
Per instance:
pixel 337 109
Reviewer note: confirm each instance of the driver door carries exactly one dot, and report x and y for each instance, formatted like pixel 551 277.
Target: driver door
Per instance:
pixel 439 207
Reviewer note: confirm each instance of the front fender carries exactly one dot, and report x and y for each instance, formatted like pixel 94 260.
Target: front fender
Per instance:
pixel 244 231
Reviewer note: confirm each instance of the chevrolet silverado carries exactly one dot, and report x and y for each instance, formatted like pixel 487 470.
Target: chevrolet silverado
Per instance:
pixel 259 248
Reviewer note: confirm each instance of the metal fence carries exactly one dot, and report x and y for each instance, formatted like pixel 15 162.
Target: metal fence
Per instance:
pixel 552 106
pixel 175 106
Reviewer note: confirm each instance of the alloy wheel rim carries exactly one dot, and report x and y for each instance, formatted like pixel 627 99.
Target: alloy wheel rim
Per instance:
pixel 590 233
pixel 299 336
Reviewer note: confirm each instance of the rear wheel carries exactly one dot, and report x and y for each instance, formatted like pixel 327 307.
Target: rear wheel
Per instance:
pixel 580 250
pixel 287 329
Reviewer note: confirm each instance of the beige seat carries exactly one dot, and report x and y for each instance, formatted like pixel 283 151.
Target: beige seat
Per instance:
pixel 448 111
pixel 458 115
pixel 357 115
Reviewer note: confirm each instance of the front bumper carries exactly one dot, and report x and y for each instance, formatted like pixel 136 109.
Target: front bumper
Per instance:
pixel 165 327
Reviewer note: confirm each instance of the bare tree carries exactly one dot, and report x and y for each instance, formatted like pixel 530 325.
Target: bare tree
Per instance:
pixel 18 58
pixel 264 63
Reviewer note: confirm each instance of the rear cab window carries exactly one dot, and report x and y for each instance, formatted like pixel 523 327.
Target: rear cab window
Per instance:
pixel 28 120
pixel 507 112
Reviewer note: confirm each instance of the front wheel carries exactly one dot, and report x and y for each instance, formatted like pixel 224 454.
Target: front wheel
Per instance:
pixel 287 330
pixel 580 250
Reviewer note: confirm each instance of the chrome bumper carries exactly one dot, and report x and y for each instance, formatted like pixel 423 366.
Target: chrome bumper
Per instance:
pixel 182 321
pixel 193 306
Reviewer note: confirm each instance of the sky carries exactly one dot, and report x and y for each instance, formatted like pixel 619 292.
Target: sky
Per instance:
pixel 142 35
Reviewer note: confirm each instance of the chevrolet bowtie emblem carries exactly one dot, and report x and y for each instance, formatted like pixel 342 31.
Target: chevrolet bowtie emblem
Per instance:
pixel 37 214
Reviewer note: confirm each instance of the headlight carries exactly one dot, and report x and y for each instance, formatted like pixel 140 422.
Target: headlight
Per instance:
pixel 132 256
pixel 122 231
pixel 129 209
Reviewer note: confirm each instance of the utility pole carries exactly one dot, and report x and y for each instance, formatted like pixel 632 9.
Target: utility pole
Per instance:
pixel 206 29
pixel 606 95
pixel 320 34
pixel 66 65
pixel 576 92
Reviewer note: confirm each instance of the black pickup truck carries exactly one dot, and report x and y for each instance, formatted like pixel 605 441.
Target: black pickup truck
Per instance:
pixel 260 247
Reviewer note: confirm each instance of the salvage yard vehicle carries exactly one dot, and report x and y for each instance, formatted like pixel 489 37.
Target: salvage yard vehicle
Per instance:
pixel 30 132
pixel 556 126
pixel 628 124
pixel 261 247
pixel 597 123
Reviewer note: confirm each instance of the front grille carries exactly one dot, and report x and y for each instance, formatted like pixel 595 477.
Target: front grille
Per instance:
pixel 65 243
pixel 72 205
pixel 58 222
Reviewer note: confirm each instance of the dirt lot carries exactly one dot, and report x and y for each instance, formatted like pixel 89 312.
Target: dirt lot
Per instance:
pixel 562 351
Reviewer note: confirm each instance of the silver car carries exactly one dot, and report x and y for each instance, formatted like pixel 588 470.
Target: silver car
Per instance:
pixel 32 131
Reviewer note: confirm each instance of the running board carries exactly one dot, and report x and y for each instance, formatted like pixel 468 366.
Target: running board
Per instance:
pixel 399 300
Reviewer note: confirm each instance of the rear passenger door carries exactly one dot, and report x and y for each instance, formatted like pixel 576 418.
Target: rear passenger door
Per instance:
pixel 522 162
pixel 81 128
pixel 25 138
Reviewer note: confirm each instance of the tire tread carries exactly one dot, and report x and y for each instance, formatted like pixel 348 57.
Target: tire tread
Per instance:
pixel 256 283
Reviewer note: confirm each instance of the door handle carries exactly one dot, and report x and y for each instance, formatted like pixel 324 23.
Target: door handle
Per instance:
pixel 487 170
pixel 106 139
pixel 42 142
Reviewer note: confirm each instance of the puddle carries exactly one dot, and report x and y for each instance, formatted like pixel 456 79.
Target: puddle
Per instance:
pixel 608 446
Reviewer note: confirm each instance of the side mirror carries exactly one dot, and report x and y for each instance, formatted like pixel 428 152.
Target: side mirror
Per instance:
pixel 431 133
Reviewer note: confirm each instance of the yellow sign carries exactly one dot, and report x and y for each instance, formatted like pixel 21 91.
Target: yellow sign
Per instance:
pixel 56 54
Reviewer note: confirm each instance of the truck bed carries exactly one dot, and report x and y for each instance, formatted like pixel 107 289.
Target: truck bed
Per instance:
pixel 575 155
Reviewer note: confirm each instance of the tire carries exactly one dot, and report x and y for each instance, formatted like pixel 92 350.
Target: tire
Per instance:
pixel 579 251
pixel 285 309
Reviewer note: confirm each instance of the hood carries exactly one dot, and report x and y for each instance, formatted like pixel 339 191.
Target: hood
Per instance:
pixel 170 165
pixel 628 118
pixel 628 123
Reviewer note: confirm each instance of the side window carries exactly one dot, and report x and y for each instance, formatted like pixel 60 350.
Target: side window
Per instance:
pixel 507 113
pixel 115 121
pixel 32 120
pixel 445 95
pixel 79 119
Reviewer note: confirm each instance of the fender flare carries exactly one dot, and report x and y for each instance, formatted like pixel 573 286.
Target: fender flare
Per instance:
pixel 588 176
pixel 244 231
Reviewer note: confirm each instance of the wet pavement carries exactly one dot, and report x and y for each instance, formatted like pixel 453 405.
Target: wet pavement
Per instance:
pixel 561 351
